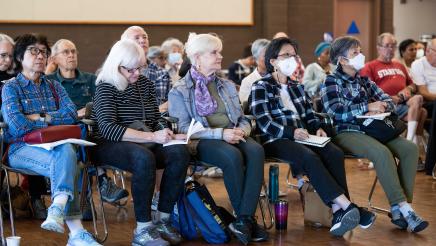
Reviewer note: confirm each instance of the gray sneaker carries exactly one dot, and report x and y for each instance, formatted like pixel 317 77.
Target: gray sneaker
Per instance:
pixel 415 223
pixel 148 236
pixel 110 192
pixel 168 232
pixel 39 210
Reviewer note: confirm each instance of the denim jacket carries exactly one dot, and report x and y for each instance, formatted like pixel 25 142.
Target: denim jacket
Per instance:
pixel 182 106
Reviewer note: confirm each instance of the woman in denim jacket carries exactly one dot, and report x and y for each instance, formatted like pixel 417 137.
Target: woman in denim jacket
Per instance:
pixel 225 142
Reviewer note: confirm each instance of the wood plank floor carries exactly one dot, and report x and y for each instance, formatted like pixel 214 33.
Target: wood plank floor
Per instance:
pixel 381 233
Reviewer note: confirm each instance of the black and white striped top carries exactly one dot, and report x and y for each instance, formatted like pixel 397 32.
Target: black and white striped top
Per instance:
pixel 114 110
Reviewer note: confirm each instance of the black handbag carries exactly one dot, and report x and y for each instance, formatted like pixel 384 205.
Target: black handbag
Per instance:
pixel 383 130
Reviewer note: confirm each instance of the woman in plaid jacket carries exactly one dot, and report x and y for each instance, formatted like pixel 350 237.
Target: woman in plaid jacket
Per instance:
pixel 284 114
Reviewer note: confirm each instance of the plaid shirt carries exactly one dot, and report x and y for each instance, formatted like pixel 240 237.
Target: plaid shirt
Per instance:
pixel 161 79
pixel 345 97
pixel 273 121
pixel 22 97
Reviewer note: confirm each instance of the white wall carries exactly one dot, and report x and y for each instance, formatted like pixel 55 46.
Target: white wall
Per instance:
pixel 414 18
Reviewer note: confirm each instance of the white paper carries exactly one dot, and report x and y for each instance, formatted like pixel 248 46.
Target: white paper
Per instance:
pixel 194 127
pixel 50 146
pixel 315 141
pixel 381 116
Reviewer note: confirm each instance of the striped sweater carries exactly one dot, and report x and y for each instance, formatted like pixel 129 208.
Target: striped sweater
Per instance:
pixel 115 110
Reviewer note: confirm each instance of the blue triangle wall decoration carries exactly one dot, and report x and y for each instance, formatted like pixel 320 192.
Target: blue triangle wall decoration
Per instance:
pixel 353 28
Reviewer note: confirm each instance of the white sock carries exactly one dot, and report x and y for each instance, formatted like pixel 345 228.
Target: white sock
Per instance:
pixel 74 226
pixel 411 129
pixel 300 183
pixel 142 225
pixel 161 216
pixel 100 171
pixel 61 199
pixel 415 139
pixel 335 207
pixel 405 209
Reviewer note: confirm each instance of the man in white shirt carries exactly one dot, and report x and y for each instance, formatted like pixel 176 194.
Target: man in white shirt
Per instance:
pixel 258 50
pixel 424 72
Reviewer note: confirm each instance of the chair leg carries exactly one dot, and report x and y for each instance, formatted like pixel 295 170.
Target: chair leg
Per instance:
pixel 120 175
pixel 2 231
pixel 371 193
pixel 289 178
pixel 263 201
pixel 94 215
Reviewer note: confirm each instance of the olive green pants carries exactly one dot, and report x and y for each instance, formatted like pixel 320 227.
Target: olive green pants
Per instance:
pixel 397 181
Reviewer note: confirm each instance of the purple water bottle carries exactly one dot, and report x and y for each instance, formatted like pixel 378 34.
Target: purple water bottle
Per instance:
pixel 281 214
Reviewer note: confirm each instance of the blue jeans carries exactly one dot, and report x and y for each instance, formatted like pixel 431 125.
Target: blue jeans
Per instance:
pixel 58 164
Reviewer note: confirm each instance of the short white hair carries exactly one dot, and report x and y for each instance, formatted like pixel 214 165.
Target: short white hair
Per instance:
pixel 55 47
pixel 198 44
pixel 6 38
pixel 169 43
pixel 124 53
pixel 126 33
pixel 258 46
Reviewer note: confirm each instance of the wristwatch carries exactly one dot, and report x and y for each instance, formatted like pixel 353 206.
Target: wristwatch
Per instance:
pixel 42 117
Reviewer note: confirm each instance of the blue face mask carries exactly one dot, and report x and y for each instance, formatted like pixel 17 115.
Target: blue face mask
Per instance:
pixel 174 58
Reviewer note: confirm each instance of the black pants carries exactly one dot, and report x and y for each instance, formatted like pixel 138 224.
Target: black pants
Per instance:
pixel 324 166
pixel 430 158
pixel 142 163
pixel 242 166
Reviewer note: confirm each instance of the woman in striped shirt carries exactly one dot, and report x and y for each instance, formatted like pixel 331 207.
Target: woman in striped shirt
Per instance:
pixel 130 134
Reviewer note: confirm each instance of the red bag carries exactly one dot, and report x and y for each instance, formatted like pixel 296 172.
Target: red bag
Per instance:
pixel 52 134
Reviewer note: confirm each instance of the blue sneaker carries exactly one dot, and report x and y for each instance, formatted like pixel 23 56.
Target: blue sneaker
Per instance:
pixel 397 218
pixel 345 220
pixel 82 238
pixel 415 223
pixel 55 219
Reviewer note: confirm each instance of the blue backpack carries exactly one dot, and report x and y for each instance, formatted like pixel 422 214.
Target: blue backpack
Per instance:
pixel 198 215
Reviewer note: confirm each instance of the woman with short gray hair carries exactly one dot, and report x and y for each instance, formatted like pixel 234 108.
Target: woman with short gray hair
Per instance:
pixel 346 95
pixel 6 57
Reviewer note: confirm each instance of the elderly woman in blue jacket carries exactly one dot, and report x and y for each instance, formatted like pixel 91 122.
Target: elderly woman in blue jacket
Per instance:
pixel 203 96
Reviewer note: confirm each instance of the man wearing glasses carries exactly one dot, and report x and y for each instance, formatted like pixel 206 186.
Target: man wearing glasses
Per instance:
pixel 392 77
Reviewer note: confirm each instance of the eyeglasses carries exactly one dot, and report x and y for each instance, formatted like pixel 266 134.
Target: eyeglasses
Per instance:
pixel 36 51
pixel 287 55
pixel 389 46
pixel 4 56
pixel 67 52
pixel 133 70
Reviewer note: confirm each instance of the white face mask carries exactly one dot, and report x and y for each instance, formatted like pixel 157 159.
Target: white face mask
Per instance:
pixel 174 58
pixel 357 62
pixel 287 66
pixel 419 53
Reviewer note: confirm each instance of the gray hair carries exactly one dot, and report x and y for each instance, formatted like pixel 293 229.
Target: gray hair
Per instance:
pixel 382 36
pixel 154 51
pixel 55 48
pixel 6 38
pixel 340 47
pixel 124 53
pixel 126 33
pixel 168 44
pixel 198 44
pixel 258 46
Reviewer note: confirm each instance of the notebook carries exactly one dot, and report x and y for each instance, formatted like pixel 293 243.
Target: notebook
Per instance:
pixel 194 127
pixel 314 141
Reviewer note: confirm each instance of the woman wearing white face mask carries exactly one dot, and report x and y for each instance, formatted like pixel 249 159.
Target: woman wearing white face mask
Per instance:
pixel 346 95
pixel 174 50
pixel 284 114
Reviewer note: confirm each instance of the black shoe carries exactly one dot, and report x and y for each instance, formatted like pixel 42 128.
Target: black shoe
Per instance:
pixel 345 220
pixel 258 233
pixel 367 218
pixel 398 219
pixel 110 192
pixel 241 228
pixel 168 232
pixel 38 209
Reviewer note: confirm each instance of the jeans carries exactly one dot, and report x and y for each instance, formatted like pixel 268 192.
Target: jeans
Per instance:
pixel 242 166
pixel 397 182
pixel 142 162
pixel 324 166
pixel 58 164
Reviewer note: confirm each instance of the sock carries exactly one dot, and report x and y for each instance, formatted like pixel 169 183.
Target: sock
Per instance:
pixel 161 216
pixel 405 209
pixel 411 129
pixel 335 207
pixel 415 140
pixel 61 199
pixel 74 226
pixel 395 207
pixel 300 183
pixel 142 225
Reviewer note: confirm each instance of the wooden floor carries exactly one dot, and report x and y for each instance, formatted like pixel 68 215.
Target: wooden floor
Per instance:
pixel 381 233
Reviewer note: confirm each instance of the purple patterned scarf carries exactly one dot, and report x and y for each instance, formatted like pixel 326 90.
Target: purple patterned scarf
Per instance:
pixel 204 102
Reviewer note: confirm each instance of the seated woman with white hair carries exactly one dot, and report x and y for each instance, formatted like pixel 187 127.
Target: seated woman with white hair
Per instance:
pixel 225 142
pixel 130 133
pixel 173 48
